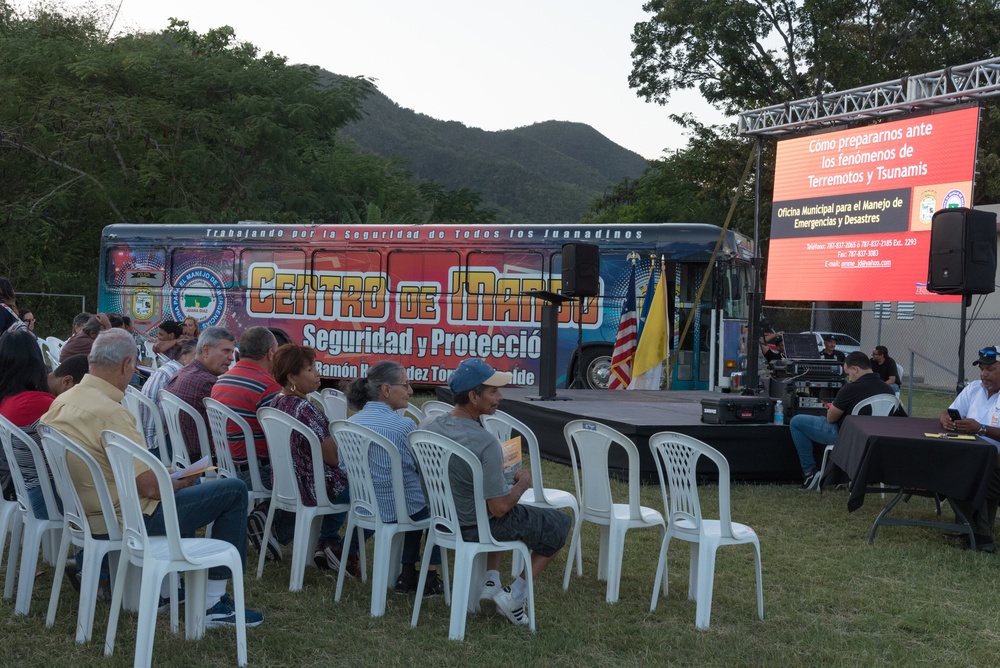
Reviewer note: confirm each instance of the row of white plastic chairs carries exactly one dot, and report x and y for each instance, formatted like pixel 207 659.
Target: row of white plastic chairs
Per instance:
pixel 127 545
pixel 589 440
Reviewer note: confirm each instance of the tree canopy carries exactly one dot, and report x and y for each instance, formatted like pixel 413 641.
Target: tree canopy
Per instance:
pixel 745 54
pixel 173 127
pixel 748 54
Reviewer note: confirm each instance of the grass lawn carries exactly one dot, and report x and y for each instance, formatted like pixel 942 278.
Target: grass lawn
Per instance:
pixel 912 598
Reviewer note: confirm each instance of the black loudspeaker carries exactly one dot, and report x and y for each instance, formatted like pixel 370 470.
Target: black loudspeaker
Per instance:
pixel 963 259
pixel 581 271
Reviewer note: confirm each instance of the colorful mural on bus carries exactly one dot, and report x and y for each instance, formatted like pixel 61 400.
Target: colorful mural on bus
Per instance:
pixel 426 296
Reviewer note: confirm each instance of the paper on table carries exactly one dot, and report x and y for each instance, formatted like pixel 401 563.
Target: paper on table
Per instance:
pixel 961 437
pixel 197 468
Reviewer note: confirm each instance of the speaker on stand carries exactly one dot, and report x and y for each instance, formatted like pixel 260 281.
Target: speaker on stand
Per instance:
pixel 963 261
pixel 581 276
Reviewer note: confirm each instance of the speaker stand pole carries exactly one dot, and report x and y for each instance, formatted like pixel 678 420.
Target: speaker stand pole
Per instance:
pixel 577 383
pixel 549 336
pixel 960 384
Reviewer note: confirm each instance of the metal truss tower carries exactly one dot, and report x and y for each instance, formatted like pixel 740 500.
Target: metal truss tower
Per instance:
pixel 947 87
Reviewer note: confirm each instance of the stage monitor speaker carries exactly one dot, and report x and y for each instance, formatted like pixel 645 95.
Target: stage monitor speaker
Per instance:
pixel 963 258
pixel 581 271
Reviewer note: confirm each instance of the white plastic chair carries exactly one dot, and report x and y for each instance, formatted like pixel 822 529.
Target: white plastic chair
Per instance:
pixel 76 527
pixel 285 495
pixel 434 454
pixel 413 412
pixel 219 416
pixel 432 408
pixel 160 556
pixel 589 443
pixel 502 425
pixel 881 405
pixel 173 406
pixel 354 443
pixel 137 403
pixel 35 528
pixel 676 457
pixel 154 361
pixel 55 346
pixel 10 522
pixel 334 404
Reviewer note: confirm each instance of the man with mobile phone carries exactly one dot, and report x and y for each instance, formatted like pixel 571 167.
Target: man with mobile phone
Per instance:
pixel 809 429
pixel 979 403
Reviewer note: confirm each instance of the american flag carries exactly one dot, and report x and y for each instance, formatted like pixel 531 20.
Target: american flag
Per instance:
pixel 625 342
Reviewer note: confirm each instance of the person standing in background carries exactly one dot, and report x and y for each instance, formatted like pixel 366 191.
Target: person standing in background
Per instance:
pixel 9 319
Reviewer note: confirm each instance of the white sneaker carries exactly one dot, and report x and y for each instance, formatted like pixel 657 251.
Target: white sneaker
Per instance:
pixel 490 590
pixel 511 608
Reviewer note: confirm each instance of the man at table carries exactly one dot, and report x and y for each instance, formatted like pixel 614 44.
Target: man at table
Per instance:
pixel 979 406
pixel 809 429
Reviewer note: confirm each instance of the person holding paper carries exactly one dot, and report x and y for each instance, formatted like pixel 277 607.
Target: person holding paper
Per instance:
pixel 377 397
pixel 476 386
pixel 87 409
pixel 978 407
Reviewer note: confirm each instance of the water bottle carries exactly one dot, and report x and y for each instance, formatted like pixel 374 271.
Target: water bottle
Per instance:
pixel 779 412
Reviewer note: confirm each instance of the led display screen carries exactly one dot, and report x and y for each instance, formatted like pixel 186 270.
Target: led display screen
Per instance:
pixel 851 217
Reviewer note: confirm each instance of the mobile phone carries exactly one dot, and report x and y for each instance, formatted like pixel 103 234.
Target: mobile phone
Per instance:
pixel 954 415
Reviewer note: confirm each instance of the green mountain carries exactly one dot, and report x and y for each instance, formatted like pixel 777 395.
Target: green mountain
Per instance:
pixel 546 173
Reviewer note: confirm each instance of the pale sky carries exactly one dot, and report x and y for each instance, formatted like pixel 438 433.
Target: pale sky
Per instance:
pixel 491 65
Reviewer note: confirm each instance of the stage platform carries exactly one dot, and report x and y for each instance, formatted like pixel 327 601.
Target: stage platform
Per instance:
pixel 756 452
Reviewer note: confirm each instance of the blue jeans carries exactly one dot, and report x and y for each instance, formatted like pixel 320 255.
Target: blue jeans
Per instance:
pixel 221 501
pixel 807 429
pixel 411 542
pixel 37 499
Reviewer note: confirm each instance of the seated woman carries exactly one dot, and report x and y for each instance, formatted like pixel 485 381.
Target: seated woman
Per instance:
pixel 24 398
pixel 294 368
pixel 376 398
pixel 190 328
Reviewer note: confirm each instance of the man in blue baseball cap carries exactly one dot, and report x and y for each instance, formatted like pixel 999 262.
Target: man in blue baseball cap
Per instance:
pixel 476 386
pixel 978 408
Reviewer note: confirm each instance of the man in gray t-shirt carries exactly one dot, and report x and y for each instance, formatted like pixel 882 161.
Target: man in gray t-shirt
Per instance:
pixel 476 386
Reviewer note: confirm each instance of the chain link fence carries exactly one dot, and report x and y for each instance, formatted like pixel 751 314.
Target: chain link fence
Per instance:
pixel 923 338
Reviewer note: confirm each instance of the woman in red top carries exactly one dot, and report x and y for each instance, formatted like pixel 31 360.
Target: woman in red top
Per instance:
pixel 24 398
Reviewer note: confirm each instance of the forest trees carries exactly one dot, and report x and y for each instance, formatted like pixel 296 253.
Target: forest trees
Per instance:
pixel 173 127
pixel 747 54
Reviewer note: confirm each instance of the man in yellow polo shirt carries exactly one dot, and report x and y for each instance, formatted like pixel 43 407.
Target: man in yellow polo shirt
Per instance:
pixel 87 409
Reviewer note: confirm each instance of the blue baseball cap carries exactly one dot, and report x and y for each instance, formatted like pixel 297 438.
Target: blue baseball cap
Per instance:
pixel 472 373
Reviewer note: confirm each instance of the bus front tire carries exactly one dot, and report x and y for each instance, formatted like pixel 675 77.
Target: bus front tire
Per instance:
pixel 595 367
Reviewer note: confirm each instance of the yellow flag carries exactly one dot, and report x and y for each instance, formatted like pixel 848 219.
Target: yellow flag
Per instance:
pixel 647 366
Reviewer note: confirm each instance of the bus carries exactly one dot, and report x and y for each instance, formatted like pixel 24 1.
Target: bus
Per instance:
pixel 429 296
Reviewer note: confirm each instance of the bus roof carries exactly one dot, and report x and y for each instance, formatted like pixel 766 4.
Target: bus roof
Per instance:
pixel 677 240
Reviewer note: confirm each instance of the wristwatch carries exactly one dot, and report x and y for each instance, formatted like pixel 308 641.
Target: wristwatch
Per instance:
pixel 982 430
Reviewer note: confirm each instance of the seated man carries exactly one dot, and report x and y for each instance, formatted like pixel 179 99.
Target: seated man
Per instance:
pixel 830 351
pixel 151 388
pixel 94 405
pixel 885 367
pixel 476 386
pixel 68 374
pixel 80 342
pixel 979 408
pixel 168 339
pixel 194 382
pixel 245 388
pixel 809 429
pixel 377 397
